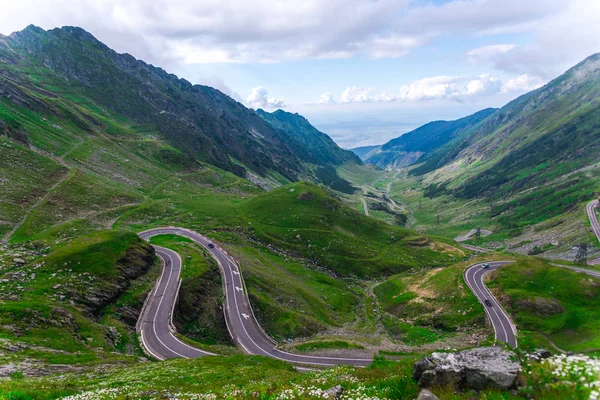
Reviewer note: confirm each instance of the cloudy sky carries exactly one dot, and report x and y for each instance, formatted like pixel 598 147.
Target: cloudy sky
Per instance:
pixel 363 71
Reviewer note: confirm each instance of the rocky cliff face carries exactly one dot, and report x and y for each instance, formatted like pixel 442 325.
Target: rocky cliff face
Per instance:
pixel 95 296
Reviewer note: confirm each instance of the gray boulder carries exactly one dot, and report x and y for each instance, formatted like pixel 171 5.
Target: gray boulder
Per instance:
pixel 541 354
pixel 427 395
pixel 334 393
pixel 478 369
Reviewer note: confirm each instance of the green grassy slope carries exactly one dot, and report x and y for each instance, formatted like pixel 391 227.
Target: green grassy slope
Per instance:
pixel 73 305
pixel 230 377
pixel 534 159
pixel 25 177
pixel 313 147
pixel 305 219
pixel 409 147
pixel 551 302
pixel 426 305
pixel 259 377
pixel 69 65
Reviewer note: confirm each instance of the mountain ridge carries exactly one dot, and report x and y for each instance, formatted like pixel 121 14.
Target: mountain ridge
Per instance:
pixel 538 149
pixel 408 148
pixel 204 123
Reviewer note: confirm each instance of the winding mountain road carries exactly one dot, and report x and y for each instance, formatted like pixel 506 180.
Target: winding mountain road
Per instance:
pixel 155 320
pixel 158 333
pixel 591 211
pixel 504 329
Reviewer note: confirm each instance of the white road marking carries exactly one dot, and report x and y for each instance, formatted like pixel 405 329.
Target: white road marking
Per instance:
pixel 245 316
pixel 158 308
pixel 195 236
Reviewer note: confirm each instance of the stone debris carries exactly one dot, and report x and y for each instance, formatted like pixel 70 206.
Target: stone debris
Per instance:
pixel 478 369
pixel 540 354
pixel 333 393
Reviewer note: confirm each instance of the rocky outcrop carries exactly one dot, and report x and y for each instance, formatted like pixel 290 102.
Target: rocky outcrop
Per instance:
pixel 541 306
pixel 93 297
pixel 478 369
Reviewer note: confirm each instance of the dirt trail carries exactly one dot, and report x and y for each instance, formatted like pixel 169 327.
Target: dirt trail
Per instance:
pixel 366 207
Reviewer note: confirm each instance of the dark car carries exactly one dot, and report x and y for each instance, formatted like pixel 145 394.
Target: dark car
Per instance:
pixel 488 303
pixel 211 245
pixel 485 266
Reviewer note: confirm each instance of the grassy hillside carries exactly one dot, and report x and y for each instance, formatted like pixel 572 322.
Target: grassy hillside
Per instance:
pixel 431 304
pixel 411 146
pixel 553 303
pixel 259 377
pixel 534 159
pixel 314 147
pixel 69 66
pixel 231 377
pixel 308 221
pixel 75 303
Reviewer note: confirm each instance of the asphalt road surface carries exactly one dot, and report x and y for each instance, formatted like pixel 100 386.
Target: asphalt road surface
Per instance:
pixel 154 323
pixel 505 330
pixel 157 330
pixel 158 333
pixel 595 224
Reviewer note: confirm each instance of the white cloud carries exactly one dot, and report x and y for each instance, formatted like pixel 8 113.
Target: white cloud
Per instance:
pixel 234 31
pixel 238 31
pixel 451 87
pixel 489 53
pixel 560 41
pixel 484 85
pixel 259 98
pixel 430 88
pixel 390 46
pixel 522 83
pixel 479 17
pixel 326 98
pixel 444 88
pixel 358 94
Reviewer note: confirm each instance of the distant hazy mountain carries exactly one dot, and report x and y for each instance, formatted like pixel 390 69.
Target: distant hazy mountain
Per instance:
pixel 200 121
pixel 366 151
pixel 539 154
pixel 410 147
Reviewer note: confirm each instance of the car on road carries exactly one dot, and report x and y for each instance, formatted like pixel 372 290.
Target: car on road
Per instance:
pixel 485 266
pixel 211 245
pixel 488 302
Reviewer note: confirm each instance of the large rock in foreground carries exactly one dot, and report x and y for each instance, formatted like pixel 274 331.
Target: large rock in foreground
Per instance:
pixel 478 369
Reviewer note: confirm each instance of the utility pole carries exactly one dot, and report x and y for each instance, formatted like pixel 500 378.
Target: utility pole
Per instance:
pixel 581 257
pixel 478 234
pixel 437 218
